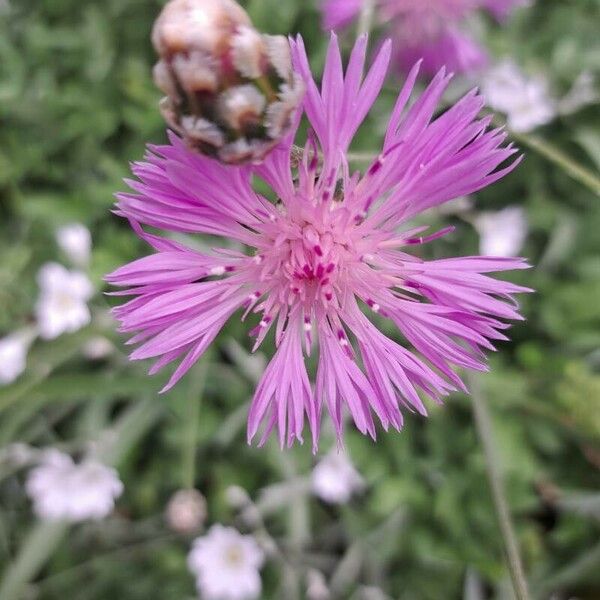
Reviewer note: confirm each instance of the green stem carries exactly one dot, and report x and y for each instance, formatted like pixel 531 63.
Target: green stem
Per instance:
pixel 483 423
pixel 190 441
pixel 562 160
pixel 37 547
pixel 365 21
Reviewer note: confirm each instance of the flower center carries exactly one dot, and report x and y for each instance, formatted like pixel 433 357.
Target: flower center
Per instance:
pixel 305 260
pixel 234 557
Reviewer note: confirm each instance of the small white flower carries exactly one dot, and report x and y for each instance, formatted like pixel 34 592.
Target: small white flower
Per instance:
pixel 13 356
pixel 526 102
pixel 226 565
pixel 502 233
pixel 335 479
pixel 63 490
pixel 75 241
pixel 62 306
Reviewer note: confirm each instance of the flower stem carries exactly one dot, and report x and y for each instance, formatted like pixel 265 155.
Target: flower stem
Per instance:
pixel 365 21
pixel 562 160
pixel 195 392
pixel 483 423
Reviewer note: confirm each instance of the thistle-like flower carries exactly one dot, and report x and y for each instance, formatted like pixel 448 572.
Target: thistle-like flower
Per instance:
pixel 332 254
pixel 432 30
pixel 230 91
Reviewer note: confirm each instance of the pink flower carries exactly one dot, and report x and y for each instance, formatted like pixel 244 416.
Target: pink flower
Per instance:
pixel 330 255
pixel 432 30
pixel 340 13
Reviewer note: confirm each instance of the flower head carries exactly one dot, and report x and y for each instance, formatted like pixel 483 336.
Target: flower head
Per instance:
pixel 335 480
pixel 333 254
pixel 230 91
pixel 226 565
pixel 63 490
pixel 62 304
pixel 431 30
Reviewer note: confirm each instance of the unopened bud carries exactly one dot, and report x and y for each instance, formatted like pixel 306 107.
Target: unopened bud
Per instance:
pixel 231 92
pixel 186 511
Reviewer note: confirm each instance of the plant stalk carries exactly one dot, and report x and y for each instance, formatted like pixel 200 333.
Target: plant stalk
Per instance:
pixel 483 422
pixel 555 155
pixel 365 21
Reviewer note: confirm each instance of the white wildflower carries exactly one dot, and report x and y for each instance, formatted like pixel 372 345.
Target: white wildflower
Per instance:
pixel 335 479
pixel 13 355
pixel 502 233
pixel 526 102
pixel 63 490
pixel 226 565
pixel 61 307
pixel 75 241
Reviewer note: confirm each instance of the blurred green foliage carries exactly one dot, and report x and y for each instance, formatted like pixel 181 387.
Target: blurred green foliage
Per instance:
pixel 76 104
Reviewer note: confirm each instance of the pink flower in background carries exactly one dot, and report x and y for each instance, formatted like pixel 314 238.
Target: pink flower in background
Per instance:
pixel 501 9
pixel 340 13
pixel 331 254
pixel 431 30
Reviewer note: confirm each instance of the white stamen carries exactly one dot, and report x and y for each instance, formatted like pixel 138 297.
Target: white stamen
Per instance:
pixel 217 270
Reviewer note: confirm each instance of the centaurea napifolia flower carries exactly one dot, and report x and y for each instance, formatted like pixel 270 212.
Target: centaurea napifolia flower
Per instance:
pixel 330 257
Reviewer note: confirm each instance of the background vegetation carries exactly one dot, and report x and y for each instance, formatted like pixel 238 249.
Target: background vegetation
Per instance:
pixel 76 104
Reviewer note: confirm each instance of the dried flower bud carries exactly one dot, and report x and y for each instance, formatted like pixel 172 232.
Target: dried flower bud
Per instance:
pixel 186 511
pixel 231 92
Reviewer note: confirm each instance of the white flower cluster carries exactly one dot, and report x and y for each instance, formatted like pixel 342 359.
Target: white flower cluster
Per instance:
pixel 62 303
pixel 63 490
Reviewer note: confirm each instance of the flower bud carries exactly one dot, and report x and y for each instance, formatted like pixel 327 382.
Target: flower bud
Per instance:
pixel 186 511
pixel 231 92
